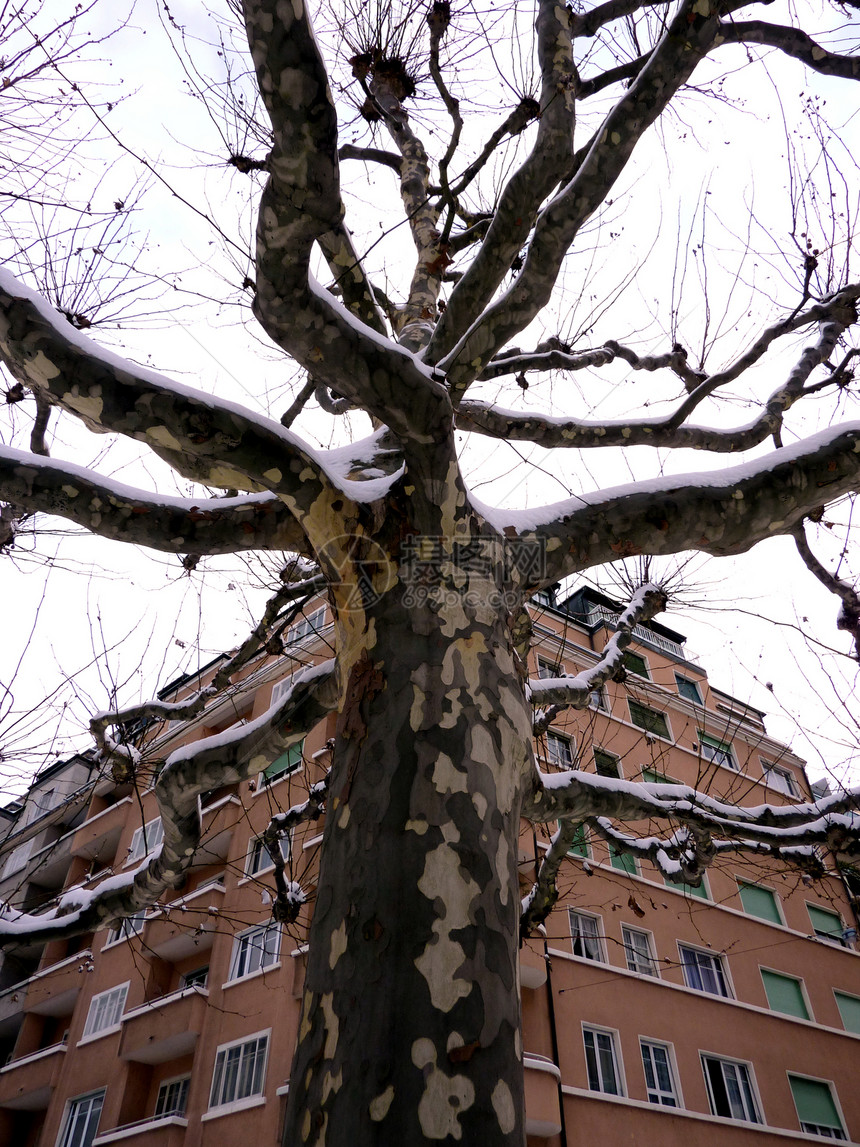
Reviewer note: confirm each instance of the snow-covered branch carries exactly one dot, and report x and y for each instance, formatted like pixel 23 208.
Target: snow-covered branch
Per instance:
pixel 561 693
pixel 170 524
pixel 190 771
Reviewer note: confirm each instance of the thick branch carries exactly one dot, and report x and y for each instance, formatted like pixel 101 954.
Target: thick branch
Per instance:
pixel 726 512
pixel 189 772
pixel 849 614
pixel 793 42
pixel 171 525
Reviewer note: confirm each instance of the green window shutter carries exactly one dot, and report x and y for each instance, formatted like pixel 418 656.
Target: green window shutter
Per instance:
pixel 286 763
pixel 579 845
pixel 636 663
pixel 652 777
pixel 692 890
pixel 849 1009
pixel 814 1102
pixel 759 902
pixel 606 764
pixel 623 861
pixel 784 994
pixel 825 923
pixel 650 720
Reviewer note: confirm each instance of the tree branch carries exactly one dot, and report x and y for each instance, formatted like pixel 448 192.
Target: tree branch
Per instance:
pixel 792 42
pixel 192 770
pixel 849 614
pixel 171 525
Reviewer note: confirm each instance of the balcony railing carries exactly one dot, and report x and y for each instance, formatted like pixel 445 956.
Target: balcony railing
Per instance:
pixel 647 636
pixel 27 1083
pixel 164 1028
pixel 157 1131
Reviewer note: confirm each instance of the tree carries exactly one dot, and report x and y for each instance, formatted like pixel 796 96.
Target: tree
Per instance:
pixel 433 764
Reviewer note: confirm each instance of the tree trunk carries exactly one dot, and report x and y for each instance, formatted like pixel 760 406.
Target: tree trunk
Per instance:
pixel 410 1030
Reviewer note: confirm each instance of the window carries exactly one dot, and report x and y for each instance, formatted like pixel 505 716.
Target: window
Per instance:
pixel 779 779
pixel 240 1069
pixel 18 857
pixel 579 845
pixel 652 777
pixel 146 839
pixel 816 1107
pixel 826 925
pixel 730 1089
pixel 623 861
pixel 597 699
pixel 704 971
pixel 758 901
pixel 648 719
pixel 173 1096
pixel 719 752
pixel 699 890
pixel 313 623
pixel 659 1076
pixel 606 764
pixel 105 1010
pixel 81 1121
pixel 279 689
pixel 601 1061
pixel 288 762
pixel 585 931
pixel 559 751
pixel 255 949
pixel 198 978
pixel 259 859
pixel 637 950
pixel 849 1009
pixel 636 663
pixel 688 689
pixel 784 994
pixel 130 926
pixel 548 668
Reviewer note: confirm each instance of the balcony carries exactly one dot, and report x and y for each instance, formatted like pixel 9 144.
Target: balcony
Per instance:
pixel 543 1114
pixel 12 1001
pixel 98 837
pixel 219 821
pixel 186 926
pixel 165 1028
pixel 26 1084
pixel 166 1131
pixel 54 990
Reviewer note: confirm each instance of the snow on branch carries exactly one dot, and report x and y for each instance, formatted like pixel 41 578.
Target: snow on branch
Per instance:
pixel 706 828
pixel 721 512
pixel 561 693
pixel 123 758
pixel 289 895
pixel 190 771
pixel 169 524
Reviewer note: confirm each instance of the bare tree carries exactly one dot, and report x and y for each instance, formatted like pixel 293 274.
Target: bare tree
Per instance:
pixel 433 766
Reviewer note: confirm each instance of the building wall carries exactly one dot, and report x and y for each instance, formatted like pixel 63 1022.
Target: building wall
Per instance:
pixel 167 1030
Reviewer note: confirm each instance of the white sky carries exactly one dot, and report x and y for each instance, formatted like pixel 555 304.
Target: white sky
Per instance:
pixel 696 172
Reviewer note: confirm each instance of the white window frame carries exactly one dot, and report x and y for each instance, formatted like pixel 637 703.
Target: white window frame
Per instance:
pixel 749 1104
pixel 81 1104
pixel 628 653
pixel 699 969
pixel 640 960
pixel 280 688
pixel 565 759
pixel 656 1094
pixel 145 840
pixel 105 1011
pixel 590 937
pixel 196 978
pixel 249 957
pixel 779 779
pixel 609 1039
pixel 718 752
pixel 667 736
pixel 595 749
pixel 164 1088
pixel 266 782
pixel 258 859
pixel 225 1086
pixel 597 700
pixel 310 624
pixel 553 669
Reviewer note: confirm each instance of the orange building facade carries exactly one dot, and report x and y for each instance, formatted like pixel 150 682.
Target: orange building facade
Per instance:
pixel 727 1014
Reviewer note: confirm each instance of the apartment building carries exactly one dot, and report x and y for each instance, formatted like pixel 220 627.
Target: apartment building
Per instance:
pixel 727 1014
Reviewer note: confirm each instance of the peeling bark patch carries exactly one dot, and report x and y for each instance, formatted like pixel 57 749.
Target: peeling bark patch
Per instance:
pixel 503 1105
pixel 332 1025
pixel 380 1105
pixel 338 944
pixel 445 1098
pixel 443 883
